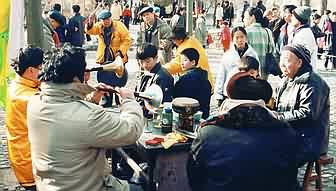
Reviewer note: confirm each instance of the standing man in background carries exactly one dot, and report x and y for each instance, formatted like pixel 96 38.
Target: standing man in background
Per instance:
pixel 75 33
pixel 156 32
pixel 114 41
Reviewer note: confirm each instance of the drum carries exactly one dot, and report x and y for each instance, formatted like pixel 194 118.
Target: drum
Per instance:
pixel 185 105
pixel 186 108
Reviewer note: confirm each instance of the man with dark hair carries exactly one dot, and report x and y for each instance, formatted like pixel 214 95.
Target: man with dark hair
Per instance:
pixel 283 28
pixel 183 41
pixel 154 73
pixel 26 84
pixel 238 148
pixel 69 132
pixel 56 16
pixel 75 32
pixel 193 83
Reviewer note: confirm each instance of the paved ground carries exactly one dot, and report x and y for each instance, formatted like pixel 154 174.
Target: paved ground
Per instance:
pixel 8 181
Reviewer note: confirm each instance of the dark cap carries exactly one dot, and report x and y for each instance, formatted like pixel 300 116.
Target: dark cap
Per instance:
pixel 57 17
pixel 178 33
pixel 145 10
pixel 104 14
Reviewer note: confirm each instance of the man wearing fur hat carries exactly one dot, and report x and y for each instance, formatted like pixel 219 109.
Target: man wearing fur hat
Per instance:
pixel 303 101
pixel 242 148
pixel 302 33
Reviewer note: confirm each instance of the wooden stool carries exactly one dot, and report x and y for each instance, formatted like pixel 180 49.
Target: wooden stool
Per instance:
pixel 324 160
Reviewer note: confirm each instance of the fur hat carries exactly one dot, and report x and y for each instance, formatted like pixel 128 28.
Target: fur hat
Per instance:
pixel 245 87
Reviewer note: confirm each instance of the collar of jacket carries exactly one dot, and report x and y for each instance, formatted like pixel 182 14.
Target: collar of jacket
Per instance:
pixel 236 113
pixel 255 25
pixel 64 93
pixel 301 27
pixel 302 75
pixel 26 82
pixel 156 68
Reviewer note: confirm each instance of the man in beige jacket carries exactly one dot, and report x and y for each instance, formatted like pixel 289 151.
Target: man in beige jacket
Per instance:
pixel 69 132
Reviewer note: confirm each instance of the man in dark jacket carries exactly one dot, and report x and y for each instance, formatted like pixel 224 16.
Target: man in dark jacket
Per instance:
pixel 75 32
pixel 303 101
pixel 154 73
pixel 243 148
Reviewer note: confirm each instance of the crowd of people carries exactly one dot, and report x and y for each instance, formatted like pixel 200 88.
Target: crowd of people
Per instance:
pixel 58 125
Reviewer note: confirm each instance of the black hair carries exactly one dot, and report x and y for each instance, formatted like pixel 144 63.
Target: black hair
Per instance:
pixel 192 54
pixel 259 3
pixel 29 57
pixel 334 13
pixel 239 28
pixel 327 11
pixel 76 8
pixel 57 7
pixel 248 62
pixel 147 51
pixel 275 9
pixel 290 8
pixel 63 65
pixel 316 16
pixel 258 14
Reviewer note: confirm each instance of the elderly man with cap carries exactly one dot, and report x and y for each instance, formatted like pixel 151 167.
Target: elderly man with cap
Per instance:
pixel 303 101
pixel 242 148
pixel 114 41
pixel 183 41
pixel 302 33
pixel 155 31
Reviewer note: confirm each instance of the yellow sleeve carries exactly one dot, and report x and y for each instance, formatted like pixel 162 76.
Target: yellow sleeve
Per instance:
pixel 125 39
pixel 94 30
pixel 174 65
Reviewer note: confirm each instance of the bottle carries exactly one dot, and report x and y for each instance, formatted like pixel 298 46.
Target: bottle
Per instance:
pixel 167 120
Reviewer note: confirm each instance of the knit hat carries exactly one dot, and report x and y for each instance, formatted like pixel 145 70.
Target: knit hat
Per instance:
pixel 57 17
pixel 245 87
pixel 300 51
pixel 302 14
pixel 104 14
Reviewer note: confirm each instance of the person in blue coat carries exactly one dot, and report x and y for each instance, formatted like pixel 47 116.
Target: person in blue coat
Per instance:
pixel 75 32
pixel 194 82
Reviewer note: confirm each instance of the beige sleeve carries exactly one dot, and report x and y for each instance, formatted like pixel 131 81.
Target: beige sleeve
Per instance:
pixel 110 130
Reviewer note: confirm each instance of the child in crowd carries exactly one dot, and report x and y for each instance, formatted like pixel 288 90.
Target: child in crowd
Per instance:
pixel 194 82
pixel 249 64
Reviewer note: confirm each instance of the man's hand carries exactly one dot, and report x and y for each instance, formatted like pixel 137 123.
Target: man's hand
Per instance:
pixel 125 93
pixel 95 96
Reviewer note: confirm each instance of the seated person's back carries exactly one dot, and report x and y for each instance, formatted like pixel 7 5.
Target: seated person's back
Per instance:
pixel 247 150
pixel 194 82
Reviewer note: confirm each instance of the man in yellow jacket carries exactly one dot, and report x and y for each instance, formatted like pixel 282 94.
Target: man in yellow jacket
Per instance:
pixel 26 84
pixel 114 41
pixel 182 41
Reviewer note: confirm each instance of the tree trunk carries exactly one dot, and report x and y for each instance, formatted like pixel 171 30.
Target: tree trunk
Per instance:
pixel 324 6
pixel 34 23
